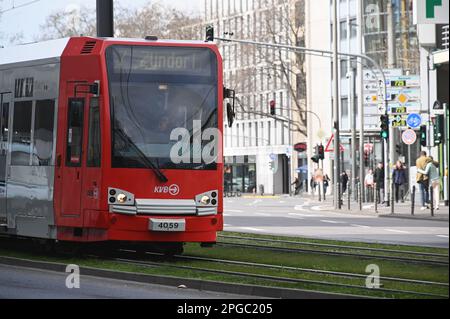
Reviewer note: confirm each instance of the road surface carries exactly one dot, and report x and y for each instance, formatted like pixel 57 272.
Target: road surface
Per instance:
pixel 304 218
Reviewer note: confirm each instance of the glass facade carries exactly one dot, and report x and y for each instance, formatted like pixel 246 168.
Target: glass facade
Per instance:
pixel 240 174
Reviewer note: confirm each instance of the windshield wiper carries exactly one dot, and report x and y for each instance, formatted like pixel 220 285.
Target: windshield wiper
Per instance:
pixel 143 157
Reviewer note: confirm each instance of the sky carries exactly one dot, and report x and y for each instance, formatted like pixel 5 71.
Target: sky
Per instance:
pixel 28 15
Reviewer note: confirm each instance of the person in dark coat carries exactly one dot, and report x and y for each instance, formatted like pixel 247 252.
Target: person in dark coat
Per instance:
pixel 378 177
pixel 399 178
pixel 297 186
pixel 344 181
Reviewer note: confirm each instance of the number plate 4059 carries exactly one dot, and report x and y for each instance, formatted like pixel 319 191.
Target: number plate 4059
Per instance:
pixel 167 225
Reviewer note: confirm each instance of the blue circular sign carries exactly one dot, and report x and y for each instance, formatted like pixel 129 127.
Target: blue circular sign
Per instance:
pixel 414 120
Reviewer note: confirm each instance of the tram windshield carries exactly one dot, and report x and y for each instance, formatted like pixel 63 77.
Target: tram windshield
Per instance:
pixel 163 100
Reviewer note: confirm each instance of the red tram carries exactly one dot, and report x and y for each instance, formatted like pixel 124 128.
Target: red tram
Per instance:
pixel 106 139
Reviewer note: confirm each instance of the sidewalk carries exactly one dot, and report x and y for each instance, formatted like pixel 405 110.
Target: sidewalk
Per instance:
pixel 401 210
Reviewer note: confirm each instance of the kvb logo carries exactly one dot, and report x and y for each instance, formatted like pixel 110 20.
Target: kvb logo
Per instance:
pixel 173 189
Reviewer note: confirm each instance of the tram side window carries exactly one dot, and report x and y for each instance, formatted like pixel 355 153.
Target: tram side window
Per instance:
pixel 43 133
pixel 94 145
pixel 75 132
pixel 21 139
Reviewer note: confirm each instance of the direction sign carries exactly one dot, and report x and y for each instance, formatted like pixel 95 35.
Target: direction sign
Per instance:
pixel 403 81
pixel 409 137
pixel 398 120
pixel 414 120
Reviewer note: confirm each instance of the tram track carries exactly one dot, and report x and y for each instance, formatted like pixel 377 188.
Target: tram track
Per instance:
pixel 333 250
pixel 166 263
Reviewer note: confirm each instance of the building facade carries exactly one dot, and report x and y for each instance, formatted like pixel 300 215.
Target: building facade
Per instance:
pixel 319 26
pixel 258 150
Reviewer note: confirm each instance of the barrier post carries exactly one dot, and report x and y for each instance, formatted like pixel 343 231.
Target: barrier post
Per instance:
pixel 413 199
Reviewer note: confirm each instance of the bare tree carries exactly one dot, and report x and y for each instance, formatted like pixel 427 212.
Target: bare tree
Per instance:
pixel 153 18
pixel 280 22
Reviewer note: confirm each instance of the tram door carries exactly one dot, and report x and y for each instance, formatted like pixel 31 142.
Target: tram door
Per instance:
pixel 5 101
pixel 72 172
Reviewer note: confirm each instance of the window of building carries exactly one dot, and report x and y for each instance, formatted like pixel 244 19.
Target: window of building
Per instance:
pixel 21 137
pixel 269 133
pixel 44 120
pixel 256 134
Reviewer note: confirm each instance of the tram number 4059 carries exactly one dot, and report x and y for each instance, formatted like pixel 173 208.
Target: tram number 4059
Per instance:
pixel 167 225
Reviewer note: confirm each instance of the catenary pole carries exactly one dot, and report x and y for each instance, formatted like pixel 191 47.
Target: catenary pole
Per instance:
pixel 105 18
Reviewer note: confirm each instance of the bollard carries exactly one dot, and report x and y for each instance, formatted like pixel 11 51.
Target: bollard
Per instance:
pixel 413 199
pixel 360 196
pixel 375 196
pixel 392 198
pixel 348 197
pixel 431 201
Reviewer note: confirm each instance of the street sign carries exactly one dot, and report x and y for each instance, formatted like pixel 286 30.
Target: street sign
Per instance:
pixel 408 107
pixel 414 120
pixel 272 156
pixel 430 12
pixel 403 81
pixel 398 94
pixel 329 148
pixel 398 120
pixel 409 137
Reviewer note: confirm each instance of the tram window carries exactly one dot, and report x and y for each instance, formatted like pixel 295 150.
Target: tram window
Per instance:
pixel 21 139
pixel 43 133
pixel 75 132
pixel 94 146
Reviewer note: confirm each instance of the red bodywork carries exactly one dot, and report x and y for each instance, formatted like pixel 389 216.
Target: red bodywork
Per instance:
pixel 81 194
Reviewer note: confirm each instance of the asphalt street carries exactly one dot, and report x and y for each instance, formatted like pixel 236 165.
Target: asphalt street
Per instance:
pixel 26 283
pixel 294 216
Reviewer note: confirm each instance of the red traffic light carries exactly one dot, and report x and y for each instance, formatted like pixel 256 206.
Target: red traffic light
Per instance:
pixel 272 107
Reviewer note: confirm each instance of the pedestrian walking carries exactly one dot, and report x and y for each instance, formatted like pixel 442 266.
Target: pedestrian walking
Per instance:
pixel 344 181
pixel 313 184
pixel 326 183
pixel 431 170
pixel 378 177
pixel 399 178
pixel 369 184
pixel 422 179
pixel 297 186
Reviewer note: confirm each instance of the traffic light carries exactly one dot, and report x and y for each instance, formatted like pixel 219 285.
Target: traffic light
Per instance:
pixel 272 107
pixel 321 152
pixel 423 135
pixel 209 33
pixel 272 166
pixel 398 149
pixel 316 157
pixel 384 126
pixel 439 130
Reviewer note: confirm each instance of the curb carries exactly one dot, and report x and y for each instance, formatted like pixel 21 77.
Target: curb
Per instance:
pixel 205 285
pixel 439 219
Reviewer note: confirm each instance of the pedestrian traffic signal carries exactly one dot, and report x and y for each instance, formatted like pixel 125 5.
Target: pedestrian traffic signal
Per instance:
pixel 423 135
pixel 209 33
pixel 439 130
pixel 272 165
pixel 272 107
pixel 398 149
pixel 384 126
pixel 316 157
pixel 321 152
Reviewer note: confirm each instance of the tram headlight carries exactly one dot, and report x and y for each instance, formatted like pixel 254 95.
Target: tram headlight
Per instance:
pixel 205 200
pixel 122 198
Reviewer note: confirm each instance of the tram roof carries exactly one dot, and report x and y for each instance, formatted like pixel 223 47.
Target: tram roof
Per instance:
pixel 55 48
